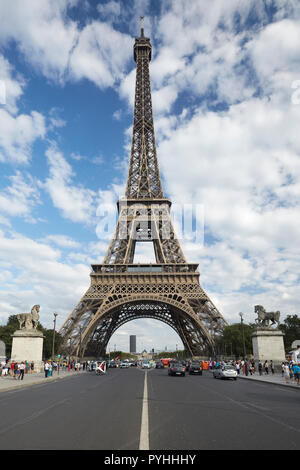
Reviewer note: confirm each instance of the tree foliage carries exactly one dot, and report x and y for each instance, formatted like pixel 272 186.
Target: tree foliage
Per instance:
pixel 291 329
pixel 230 343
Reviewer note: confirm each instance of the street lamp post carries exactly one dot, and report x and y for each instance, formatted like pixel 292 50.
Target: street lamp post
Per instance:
pixel 53 337
pixel 242 325
pixel 80 330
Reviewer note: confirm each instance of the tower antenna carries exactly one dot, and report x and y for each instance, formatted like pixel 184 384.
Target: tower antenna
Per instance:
pixel 142 25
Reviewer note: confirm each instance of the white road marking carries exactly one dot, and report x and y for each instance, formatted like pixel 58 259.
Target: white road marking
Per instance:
pixel 144 436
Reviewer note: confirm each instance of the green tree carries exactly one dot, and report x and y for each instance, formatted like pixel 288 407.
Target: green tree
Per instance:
pixel 291 329
pixel 231 340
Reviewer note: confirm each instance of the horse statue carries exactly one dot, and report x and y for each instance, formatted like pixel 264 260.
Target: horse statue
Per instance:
pixel 264 318
pixel 29 321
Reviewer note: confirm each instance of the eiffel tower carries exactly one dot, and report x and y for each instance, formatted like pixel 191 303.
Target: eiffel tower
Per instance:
pixel 120 290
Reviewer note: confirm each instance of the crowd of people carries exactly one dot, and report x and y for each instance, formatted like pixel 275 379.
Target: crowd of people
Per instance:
pixel 290 370
pixel 16 369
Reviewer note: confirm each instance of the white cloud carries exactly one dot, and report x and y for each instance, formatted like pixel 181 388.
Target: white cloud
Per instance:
pixel 20 197
pixel 75 202
pixel 36 275
pixel 18 135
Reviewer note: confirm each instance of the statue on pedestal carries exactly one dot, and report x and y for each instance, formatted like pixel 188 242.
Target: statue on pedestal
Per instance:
pixel 29 321
pixel 263 318
pixel 27 343
pixel 268 342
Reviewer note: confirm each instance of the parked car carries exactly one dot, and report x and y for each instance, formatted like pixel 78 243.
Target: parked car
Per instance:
pixel 159 365
pixel 146 365
pixel 225 372
pixel 112 364
pixel 195 368
pixel 124 365
pixel 176 368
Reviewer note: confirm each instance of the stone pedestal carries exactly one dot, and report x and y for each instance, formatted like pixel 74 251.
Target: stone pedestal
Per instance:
pixel 27 345
pixel 268 345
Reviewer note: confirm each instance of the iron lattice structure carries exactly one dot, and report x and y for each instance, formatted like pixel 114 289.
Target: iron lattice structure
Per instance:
pixel 122 291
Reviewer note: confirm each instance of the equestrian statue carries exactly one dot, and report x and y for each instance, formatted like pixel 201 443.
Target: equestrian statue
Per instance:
pixel 263 318
pixel 29 321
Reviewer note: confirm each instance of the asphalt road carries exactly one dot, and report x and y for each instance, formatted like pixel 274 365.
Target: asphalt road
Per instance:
pixel 112 412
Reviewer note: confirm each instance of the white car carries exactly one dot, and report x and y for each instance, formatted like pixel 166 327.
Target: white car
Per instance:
pixel 225 372
pixel 124 365
pixel 146 365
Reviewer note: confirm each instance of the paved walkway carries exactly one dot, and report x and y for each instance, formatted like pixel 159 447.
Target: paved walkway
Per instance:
pixel 9 383
pixel 271 379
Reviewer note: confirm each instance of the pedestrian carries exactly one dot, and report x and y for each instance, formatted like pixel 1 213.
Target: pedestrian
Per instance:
pixel 4 370
pixel 260 367
pixel 291 371
pixel 282 369
pixel 32 367
pixel 12 367
pixel 272 367
pixel 266 367
pixel 17 371
pixel 286 372
pixel 296 371
pixel 46 369
pixel 22 370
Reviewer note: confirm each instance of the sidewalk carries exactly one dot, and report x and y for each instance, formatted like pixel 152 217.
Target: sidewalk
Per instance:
pixel 9 383
pixel 271 379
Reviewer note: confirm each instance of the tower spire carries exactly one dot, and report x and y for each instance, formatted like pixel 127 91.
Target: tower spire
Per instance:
pixel 143 176
pixel 142 26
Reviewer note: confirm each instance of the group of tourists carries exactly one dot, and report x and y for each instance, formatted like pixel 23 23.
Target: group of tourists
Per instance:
pixel 290 370
pixel 16 369
pixel 51 367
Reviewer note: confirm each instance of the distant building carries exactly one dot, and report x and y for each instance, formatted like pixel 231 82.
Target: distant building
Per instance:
pixel 132 344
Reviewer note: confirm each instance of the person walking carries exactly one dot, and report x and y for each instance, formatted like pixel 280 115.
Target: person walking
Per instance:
pixel 296 371
pixel 286 372
pixel 17 371
pixel 266 367
pixel 22 370
pixel 46 369
pixel 260 367
pixel 12 368
pixel 272 367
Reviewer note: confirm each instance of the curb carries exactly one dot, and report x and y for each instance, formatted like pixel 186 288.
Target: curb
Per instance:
pixel 37 382
pixel 295 387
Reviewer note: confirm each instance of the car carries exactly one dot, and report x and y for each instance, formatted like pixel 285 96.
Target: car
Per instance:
pixel 112 364
pixel 176 368
pixel 225 372
pixel 159 365
pixel 195 368
pixel 124 365
pixel 146 365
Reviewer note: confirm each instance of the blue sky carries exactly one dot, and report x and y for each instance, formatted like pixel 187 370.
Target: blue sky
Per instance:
pixel 225 87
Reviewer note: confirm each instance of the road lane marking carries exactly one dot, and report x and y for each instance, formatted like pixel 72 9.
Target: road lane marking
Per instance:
pixel 144 436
